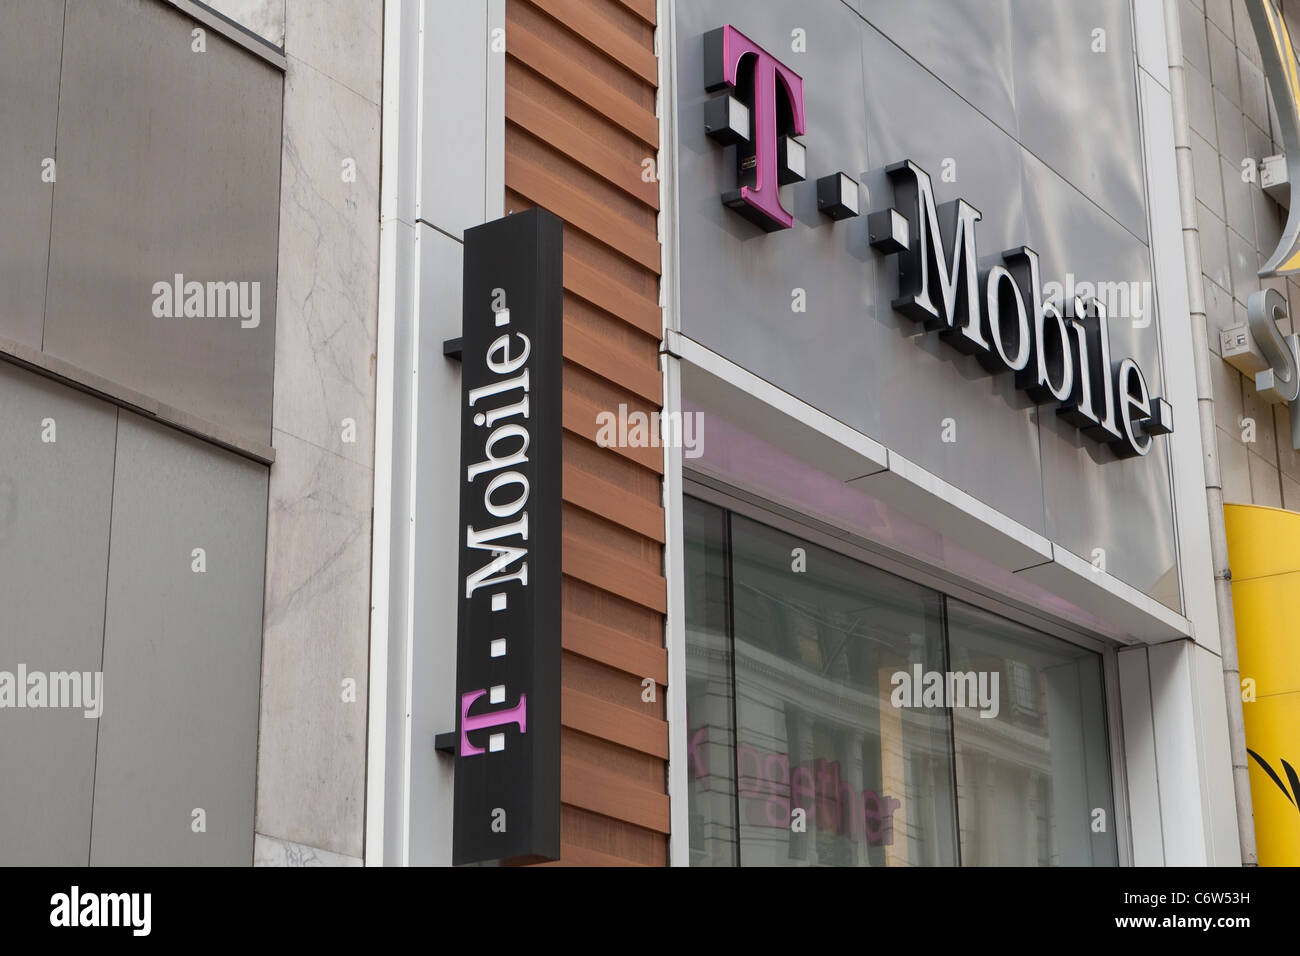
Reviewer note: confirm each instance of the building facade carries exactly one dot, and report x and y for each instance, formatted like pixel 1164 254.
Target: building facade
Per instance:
pixel 881 522
pixel 847 497
pixel 192 266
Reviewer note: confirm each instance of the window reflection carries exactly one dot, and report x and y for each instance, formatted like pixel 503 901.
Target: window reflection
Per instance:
pixel 1029 779
pixel 799 755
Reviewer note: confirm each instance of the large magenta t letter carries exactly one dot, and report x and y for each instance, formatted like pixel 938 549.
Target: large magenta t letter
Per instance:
pixel 517 715
pixel 724 50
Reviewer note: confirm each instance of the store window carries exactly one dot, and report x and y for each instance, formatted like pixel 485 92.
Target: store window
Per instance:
pixel 1031 779
pixel 840 715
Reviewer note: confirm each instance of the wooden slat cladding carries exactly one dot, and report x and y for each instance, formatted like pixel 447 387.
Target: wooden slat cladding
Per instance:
pixel 581 132
pixel 610 646
pixel 603 567
pixel 533 116
pixel 593 343
pixel 609 721
pixel 579 204
pixel 630 510
pixel 574 67
pixel 592 787
pixel 581 417
pixel 607 27
pixel 645 9
pixel 598 288
pixel 574 855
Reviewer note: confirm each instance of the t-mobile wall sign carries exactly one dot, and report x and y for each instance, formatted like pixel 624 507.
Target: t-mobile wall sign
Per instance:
pixel 507 789
pixel 993 307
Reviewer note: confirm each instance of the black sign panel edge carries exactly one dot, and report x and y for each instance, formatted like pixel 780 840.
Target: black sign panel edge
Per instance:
pixel 507 803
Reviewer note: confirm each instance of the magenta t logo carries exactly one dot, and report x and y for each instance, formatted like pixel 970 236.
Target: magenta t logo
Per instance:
pixel 767 157
pixel 517 715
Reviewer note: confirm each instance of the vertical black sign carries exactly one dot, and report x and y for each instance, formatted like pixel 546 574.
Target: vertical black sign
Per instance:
pixel 508 643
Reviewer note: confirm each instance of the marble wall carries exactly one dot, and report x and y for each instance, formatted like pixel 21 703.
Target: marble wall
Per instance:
pixel 312 739
pixel 269 851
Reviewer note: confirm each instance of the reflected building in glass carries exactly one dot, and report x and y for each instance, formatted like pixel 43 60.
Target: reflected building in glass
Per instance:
pixel 805 749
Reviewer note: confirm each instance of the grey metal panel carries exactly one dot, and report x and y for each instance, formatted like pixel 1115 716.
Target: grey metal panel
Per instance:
pixel 432 680
pixel 910 114
pixel 455 58
pixel 850 354
pixel 1078 109
pixel 1072 193
pixel 922 381
pixel 402 166
pixel 966 45
pixel 31 33
pixel 55 499
pixel 1092 500
pixel 169 163
pixel 736 282
pixel 182 653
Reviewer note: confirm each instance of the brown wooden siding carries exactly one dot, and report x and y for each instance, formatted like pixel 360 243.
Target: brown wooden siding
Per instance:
pixel 580 123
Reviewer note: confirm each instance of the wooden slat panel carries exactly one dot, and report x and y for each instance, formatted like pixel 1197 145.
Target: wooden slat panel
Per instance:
pixel 645 9
pixel 639 625
pixel 592 282
pixel 521 14
pixel 632 545
pixel 630 343
pixel 609 571
pixel 613 648
pixel 628 212
pixel 582 828
pixel 593 460
pixel 580 419
pixel 578 209
pixel 587 786
pixel 604 293
pixel 613 363
pixel 578 145
pixel 573 855
pixel 619 725
pixel 632 278
pixel 603 35
pixel 632 767
pixel 613 503
pixel 569 75
pixel 580 79
pixel 613 686
pixel 567 106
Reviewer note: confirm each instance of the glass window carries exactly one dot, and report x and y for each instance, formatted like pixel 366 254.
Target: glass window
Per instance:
pixel 834 713
pixel 1032 772
pixel 710 704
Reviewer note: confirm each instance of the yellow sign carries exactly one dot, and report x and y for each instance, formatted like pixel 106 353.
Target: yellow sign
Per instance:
pixel 1264 554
